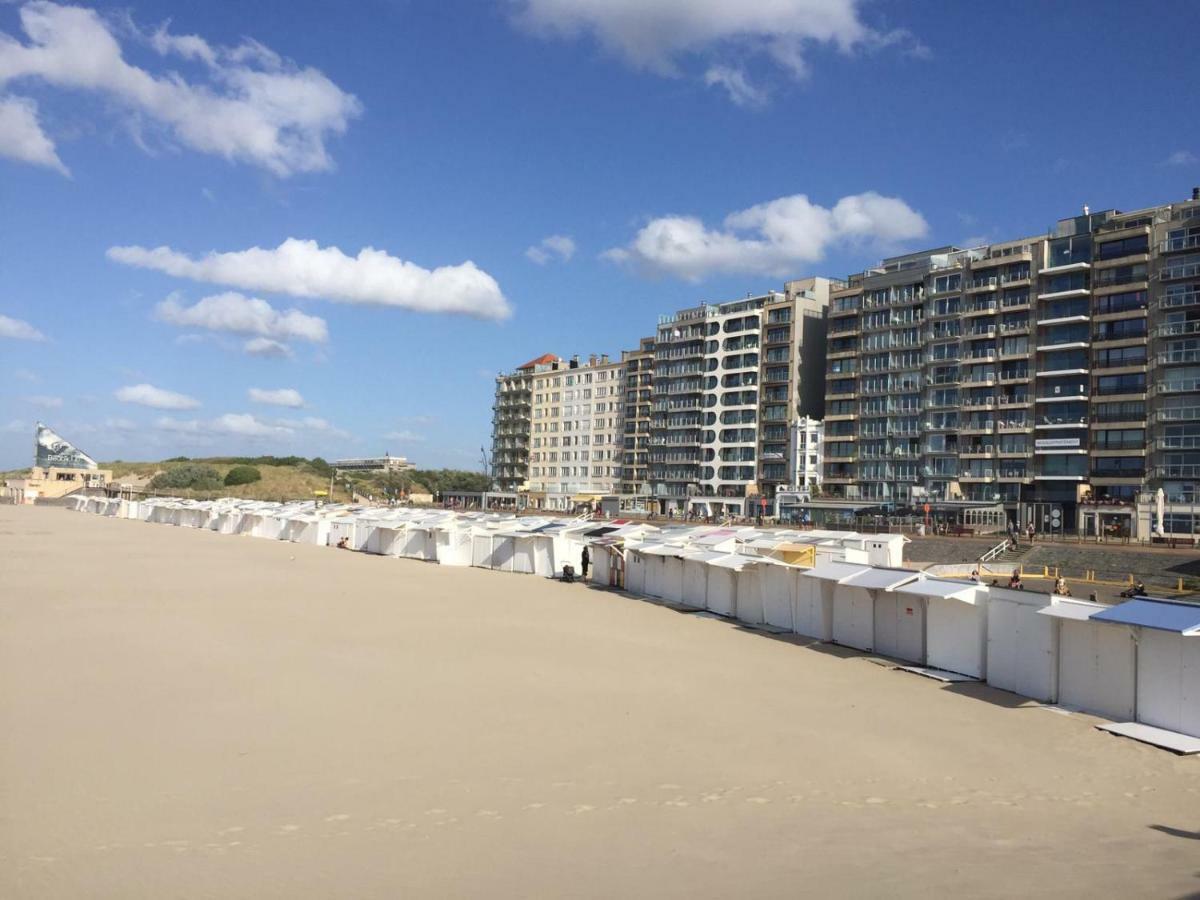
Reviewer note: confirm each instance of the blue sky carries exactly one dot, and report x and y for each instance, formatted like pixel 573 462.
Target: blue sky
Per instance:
pixel 689 151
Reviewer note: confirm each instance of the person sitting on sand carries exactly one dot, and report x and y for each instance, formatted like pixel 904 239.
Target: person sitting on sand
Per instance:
pixel 1060 587
pixel 344 544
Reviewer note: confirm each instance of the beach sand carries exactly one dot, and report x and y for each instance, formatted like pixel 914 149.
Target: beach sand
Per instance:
pixel 186 714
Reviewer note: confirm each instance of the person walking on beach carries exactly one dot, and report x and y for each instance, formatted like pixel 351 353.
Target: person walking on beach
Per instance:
pixel 585 560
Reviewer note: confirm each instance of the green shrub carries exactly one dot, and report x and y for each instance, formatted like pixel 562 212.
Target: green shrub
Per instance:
pixel 242 475
pixel 320 467
pixel 189 475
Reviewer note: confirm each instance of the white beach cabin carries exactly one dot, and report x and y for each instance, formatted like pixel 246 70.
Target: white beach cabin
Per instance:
pixel 1022 655
pixel 955 624
pixel 1096 662
pixel 1167 648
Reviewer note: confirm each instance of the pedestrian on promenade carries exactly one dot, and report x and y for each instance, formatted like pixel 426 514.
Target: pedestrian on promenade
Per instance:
pixel 585 561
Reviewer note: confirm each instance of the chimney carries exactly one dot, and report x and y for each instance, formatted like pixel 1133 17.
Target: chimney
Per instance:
pixel 604 359
pixel 1196 193
pixel 592 360
pixel 574 364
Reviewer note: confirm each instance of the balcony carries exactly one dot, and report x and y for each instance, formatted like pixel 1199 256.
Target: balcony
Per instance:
pixel 1174 245
pixel 1064 320
pixel 1182 269
pixel 1178 414
pixel 1014 377
pixel 983 284
pixel 1175 357
pixel 1177 329
pixel 1021 301
pixel 987 379
pixel 1177 385
pixel 1021 426
pixel 1013 400
pixel 1180 471
pixel 1015 475
pixel 1067 265
pixel 977 451
pixel 978 402
pixel 1066 295
pixel 978 475
pixel 987 308
pixel 1189 297
pixel 978 428
pixel 1179 442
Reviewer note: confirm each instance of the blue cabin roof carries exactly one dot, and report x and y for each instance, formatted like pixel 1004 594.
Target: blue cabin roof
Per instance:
pixel 1149 612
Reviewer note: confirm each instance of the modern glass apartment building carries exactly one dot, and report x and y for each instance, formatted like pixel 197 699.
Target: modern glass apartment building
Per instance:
pixel 1049 379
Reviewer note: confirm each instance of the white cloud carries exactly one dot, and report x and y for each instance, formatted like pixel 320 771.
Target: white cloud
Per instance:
pixel 45 402
pixel 314 424
pixel 238 314
pixel 737 85
pixel 247 103
pixel 773 237
pixel 21 330
pixel 305 269
pixel 241 424
pixel 154 397
pixel 556 245
pixel 247 425
pixel 281 397
pixel 18 426
pixel 1181 158
pixel 266 348
pixel 658 34
pixel 408 437
pixel 25 375
pixel 22 138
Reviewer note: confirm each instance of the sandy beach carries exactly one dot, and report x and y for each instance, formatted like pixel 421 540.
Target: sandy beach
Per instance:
pixel 186 714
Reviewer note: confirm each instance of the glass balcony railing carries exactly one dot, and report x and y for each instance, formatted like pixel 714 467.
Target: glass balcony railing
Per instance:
pixel 1175 244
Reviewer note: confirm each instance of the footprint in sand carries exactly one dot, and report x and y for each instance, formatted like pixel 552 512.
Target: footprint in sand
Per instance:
pixel 232 829
pixel 288 829
pixel 678 801
pixel 488 814
pixel 875 801
pixel 668 787
pixel 758 800
pixel 582 808
pixel 626 801
pixel 337 817
pixel 533 806
pixel 436 811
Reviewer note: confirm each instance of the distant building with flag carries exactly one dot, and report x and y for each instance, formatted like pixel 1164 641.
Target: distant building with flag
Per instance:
pixel 59 468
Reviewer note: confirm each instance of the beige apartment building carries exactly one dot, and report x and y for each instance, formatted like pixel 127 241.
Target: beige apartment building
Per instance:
pixel 576 433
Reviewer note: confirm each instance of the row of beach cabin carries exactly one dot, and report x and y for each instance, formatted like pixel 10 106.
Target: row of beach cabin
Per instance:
pixel 1137 662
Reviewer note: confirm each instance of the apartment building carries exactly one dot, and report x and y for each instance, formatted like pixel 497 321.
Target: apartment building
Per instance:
pixel 793 385
pixel 639 395
pixel 512 411
pixel 576 432
pixel 808 452
pixel 718 444
pixel 1050 379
